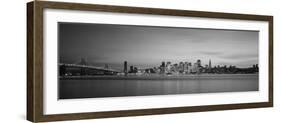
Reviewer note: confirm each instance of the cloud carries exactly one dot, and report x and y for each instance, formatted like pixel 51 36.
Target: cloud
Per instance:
pixel 240 56
pixel 212 53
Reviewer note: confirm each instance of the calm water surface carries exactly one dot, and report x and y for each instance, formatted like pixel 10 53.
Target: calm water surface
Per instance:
pixel 133 86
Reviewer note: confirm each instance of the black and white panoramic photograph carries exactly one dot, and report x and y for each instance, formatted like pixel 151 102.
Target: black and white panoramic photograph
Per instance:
pixel 110 60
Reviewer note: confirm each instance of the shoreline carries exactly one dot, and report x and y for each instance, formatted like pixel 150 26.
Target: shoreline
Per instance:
pixel 164 77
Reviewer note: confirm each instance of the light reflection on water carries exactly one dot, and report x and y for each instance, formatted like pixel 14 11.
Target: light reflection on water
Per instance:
pixel 93 88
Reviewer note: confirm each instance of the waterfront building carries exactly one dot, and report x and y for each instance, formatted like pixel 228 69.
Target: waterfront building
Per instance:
pixel 169 67
pixel 185 67
pixel 125 68
pixel 189 67
pixel 210 66
pixel 157 70
pixel 162 68
pixel 175 68
pixel 199 63
pixel 195 68
pixel 135 70
pixel 205 69
pixel 181 67
pixel 131 69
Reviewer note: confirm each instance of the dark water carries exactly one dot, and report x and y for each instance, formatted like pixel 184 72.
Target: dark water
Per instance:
pixel 108 87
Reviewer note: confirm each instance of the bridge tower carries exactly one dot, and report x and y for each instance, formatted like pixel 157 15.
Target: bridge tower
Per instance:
pixel 83 71
pixel 62 70
pixel 83 61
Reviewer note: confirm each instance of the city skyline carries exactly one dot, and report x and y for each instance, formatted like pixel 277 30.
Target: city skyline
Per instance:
pixel 83 61
pixel 146 46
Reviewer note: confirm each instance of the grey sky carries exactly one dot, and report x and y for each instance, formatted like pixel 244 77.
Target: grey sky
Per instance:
pixel 146 46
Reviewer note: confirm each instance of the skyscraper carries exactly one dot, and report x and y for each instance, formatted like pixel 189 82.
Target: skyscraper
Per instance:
pixel 210 64
pixel 162 67
pixel 125 67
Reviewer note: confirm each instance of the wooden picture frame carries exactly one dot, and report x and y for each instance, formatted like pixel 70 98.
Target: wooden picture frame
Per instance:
pixel 35 59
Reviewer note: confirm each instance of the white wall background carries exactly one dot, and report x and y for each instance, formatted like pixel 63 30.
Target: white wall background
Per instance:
pixel 13 61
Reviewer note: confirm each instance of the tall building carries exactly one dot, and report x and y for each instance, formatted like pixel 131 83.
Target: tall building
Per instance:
pixel 162 68
pixel 168 67
pixel 125 67
pixel 199 63
pixel 195 67
pixel 185 67
pixel 189 69
pixel 181 67
pixel 210 66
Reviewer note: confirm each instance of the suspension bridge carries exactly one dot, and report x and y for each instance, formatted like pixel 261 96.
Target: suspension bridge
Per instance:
pixel 83 68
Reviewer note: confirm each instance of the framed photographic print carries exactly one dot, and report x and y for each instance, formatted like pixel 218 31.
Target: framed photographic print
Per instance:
pixel 96 61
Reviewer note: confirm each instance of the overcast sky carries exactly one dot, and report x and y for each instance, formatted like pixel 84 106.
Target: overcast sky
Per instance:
pixel 146 46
